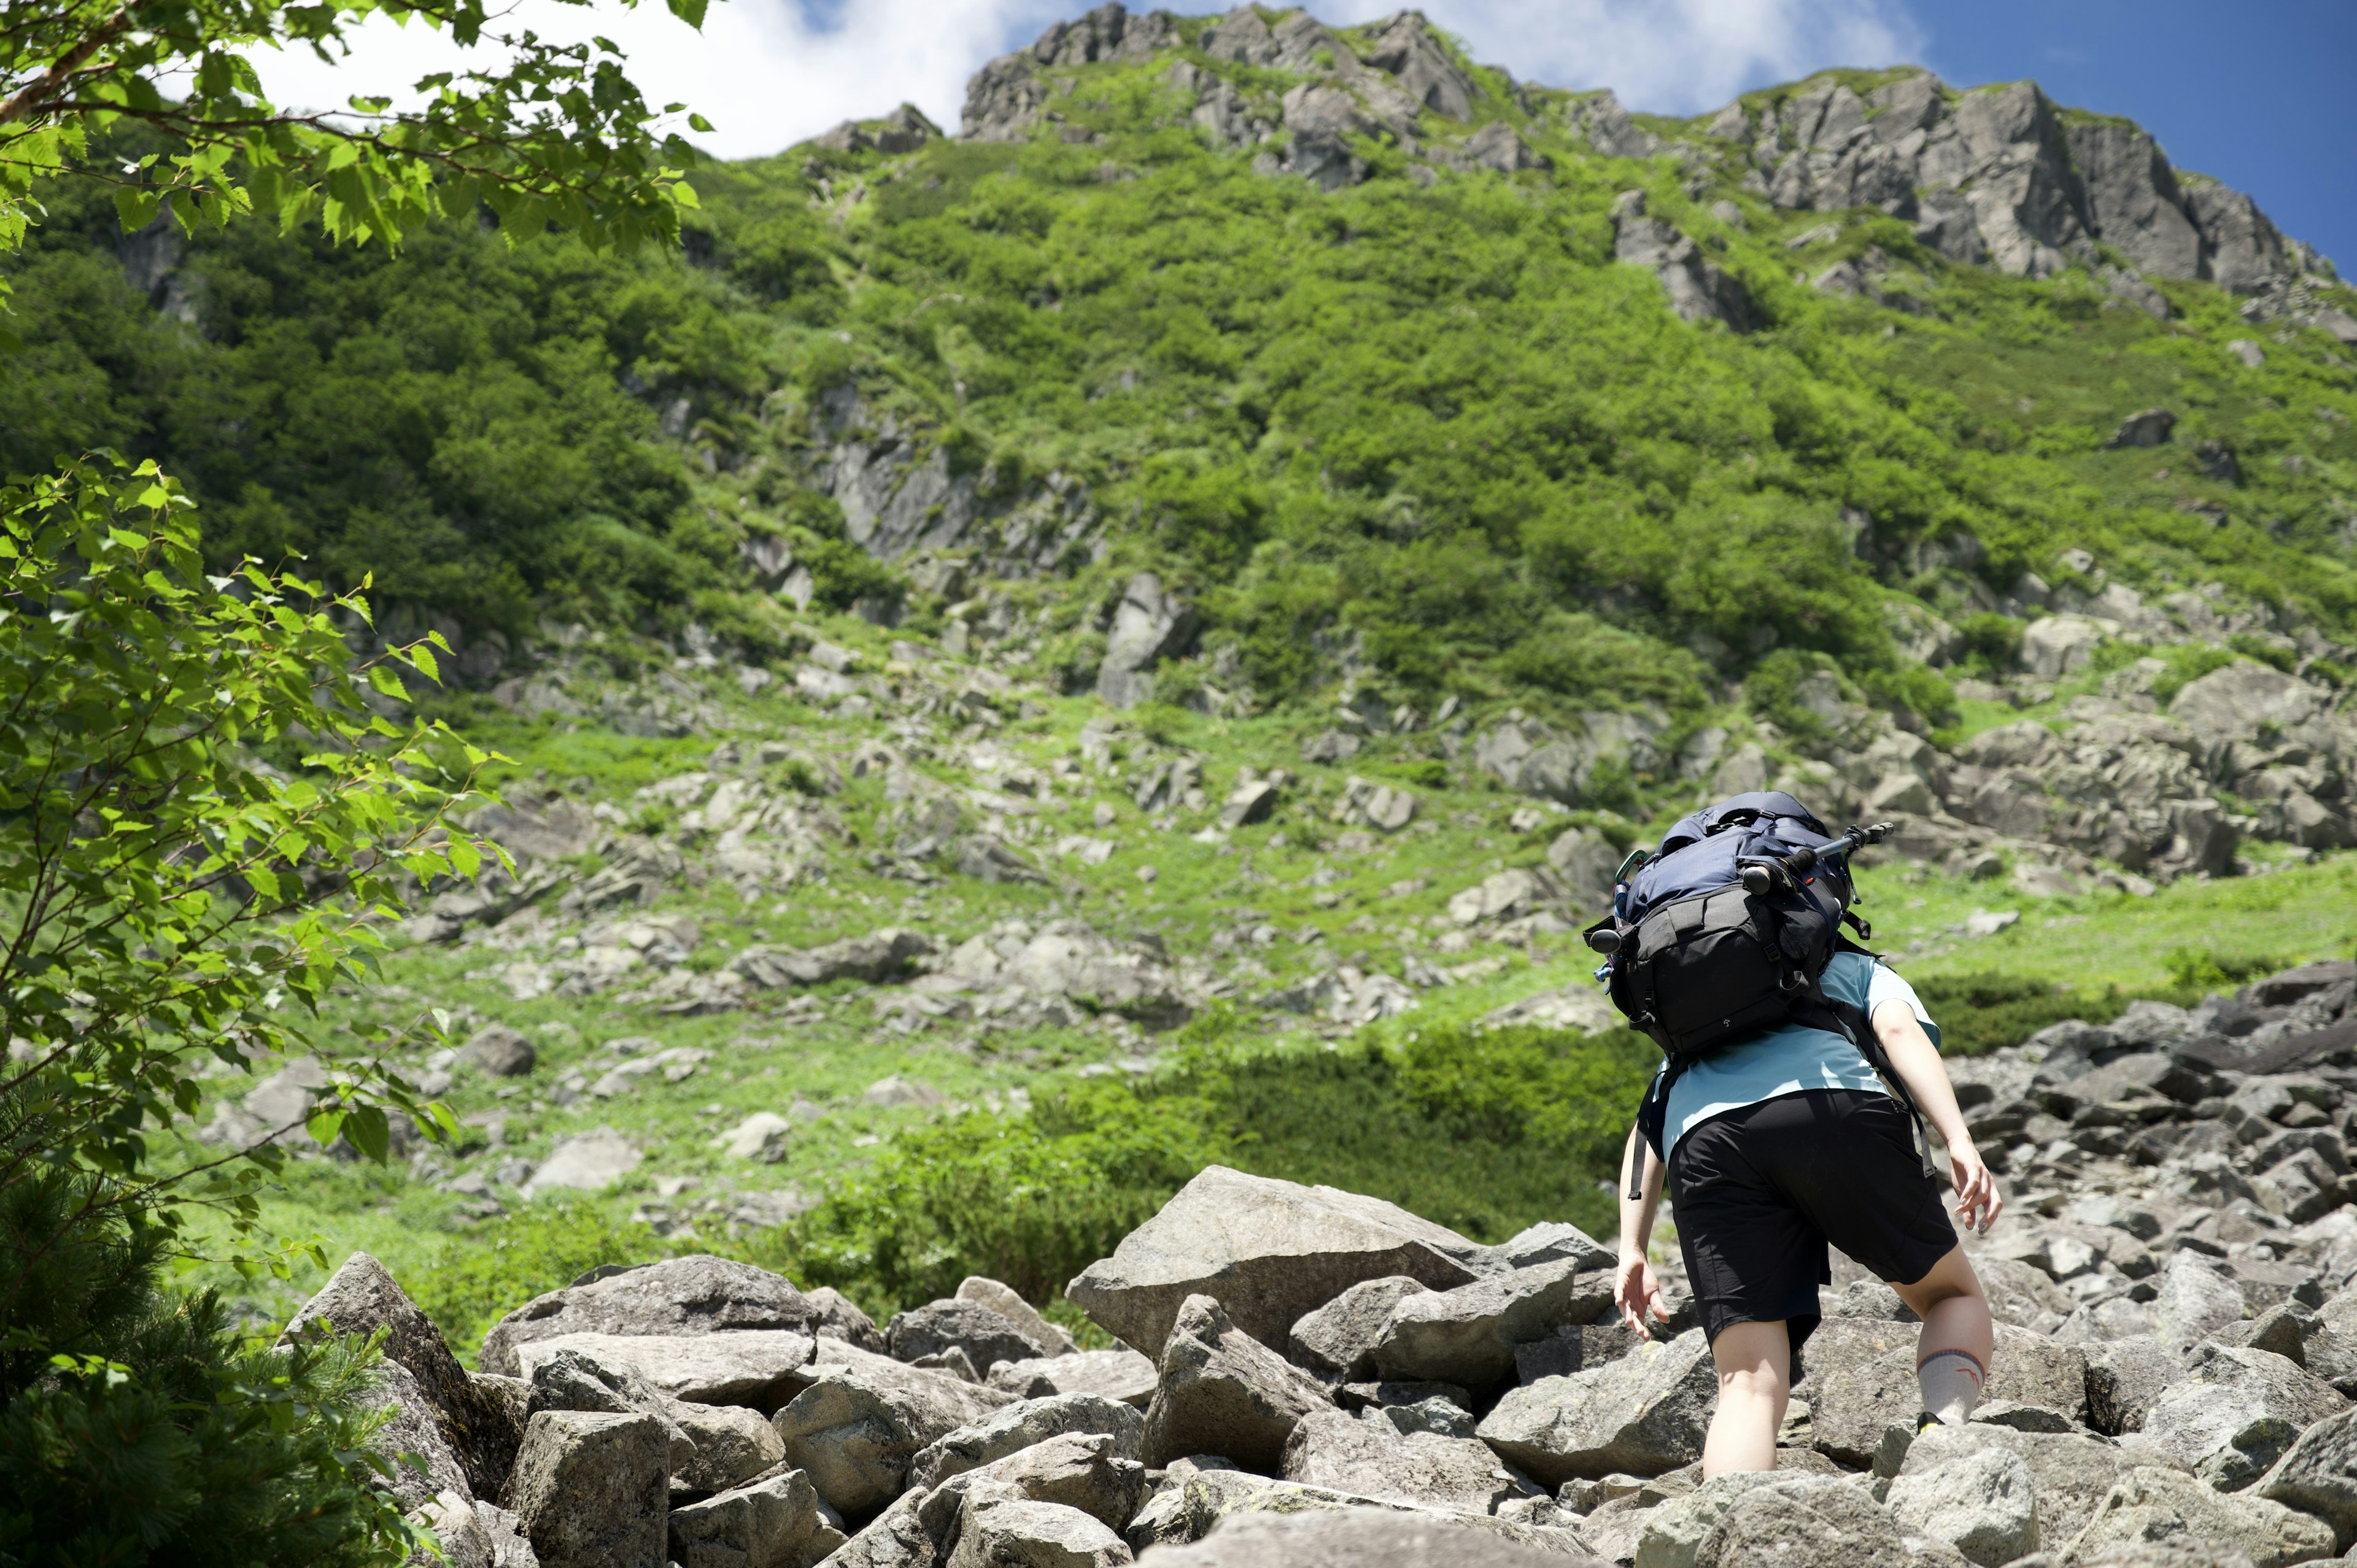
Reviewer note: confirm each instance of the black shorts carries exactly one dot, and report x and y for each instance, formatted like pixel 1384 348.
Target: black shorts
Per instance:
pixel 1760 1191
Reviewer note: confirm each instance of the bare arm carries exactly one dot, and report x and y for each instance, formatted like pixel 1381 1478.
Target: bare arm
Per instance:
pixel 1917 1062
pixel 1636 1289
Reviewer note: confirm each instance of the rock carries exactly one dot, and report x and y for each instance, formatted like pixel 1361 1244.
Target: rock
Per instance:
pixel 733 1443
pixel 1333 1449
pixel 760 1369
pixel 590 1490
pixel 1699 288
pixel 1249 804
pixel 415 1427
pixel 1123 1375
pixel 2152 1503
pixel 774 1523
pixel 987 1337
pixel 1579 1007
pixel 1008 1303
pixel 1852 1411
pixel 2149 428
pixel 586 1162
pixel 2235 1414
pixel 1816 1520
pixel 1148 627
pixel 2070 1473
pixel 2124 1380
pixel 1024 1425
pixel 1332 746
pixel 1352 1538
pixel 833 1316
pixel 475 1423
pixel 1467 1336
pixel 2055 645
pixel 500 1051
pixel 1077 1471
pixel 1586 864
pixel 1267 1250
pixel 1340 1338
pixel 1015 1532
pixel 457 1529
pixel 1983 1504
pixel 1504 896
pixel 761 1137
pixel 2197 1296
pixel 692 1295
pixel 878 956
pixel 1222 1392
pixel 2317 1474
pixel 570 1381
pixel 1674 1529
pixel 855 1432
pixel 1643 1413
pixel 1550 1241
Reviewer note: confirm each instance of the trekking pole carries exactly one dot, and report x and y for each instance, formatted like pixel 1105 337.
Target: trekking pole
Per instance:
pixel 1760 875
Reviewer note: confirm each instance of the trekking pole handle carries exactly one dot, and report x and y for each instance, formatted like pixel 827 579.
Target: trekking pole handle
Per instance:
pixel 1760 876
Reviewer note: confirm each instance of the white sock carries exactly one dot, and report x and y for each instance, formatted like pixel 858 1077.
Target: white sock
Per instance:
pixel 1951 1381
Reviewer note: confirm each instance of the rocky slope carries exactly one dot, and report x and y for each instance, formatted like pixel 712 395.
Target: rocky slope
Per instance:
pixel 1307 1376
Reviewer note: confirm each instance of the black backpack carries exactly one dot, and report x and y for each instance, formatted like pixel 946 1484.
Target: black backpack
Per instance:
pixel 1725 931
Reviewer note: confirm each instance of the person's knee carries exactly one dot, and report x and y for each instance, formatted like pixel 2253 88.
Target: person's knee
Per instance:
pixel 1762 1381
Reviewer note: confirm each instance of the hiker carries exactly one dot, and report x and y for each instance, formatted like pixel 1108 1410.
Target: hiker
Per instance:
pixel 1789 1109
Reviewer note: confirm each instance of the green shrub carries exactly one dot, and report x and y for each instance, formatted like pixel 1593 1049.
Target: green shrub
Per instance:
pixel 1485 1132
pixel 2200 970
pixel 2187 663
pixel 1989 1010
pixel 1992 639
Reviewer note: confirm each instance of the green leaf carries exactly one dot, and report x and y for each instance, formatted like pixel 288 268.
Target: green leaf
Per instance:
pixel 324 1125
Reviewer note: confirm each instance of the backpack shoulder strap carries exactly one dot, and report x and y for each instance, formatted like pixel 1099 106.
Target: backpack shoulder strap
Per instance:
pixel 1851 1020
pixel 1652 1120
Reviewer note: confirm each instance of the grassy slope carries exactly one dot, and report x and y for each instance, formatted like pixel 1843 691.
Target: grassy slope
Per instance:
pixel 2289 915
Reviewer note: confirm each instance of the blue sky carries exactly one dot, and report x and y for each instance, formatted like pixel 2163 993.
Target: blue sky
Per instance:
pixel 2257 95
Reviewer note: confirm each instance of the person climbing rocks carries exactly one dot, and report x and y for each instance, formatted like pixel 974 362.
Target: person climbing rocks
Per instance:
pixel 1785 1139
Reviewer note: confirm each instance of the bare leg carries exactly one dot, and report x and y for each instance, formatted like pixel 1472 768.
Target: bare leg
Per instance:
pixel 1956 1313
pixel 1755 1379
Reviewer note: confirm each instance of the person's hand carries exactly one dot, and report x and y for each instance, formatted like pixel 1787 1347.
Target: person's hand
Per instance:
pixel 1639 1292
pixel 1978 1202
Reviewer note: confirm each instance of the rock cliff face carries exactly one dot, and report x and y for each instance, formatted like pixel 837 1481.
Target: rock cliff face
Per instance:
pixel 1319 1377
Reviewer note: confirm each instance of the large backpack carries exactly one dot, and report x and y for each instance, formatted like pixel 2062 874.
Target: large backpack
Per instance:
pixel 1714 937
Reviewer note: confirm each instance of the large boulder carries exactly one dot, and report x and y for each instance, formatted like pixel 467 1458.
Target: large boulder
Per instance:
pixel 2152 1503
pixel 2196 1297
pixel 1855 1409
pixel 2317 1474
pixel 985 1334
pixel 772 1523
pixel 2124 1380
pixel 1468 1335
pixel 1025 1425
pixel 879 955
pixel 836 1316
pixel 1815 1519
pixel 1374 1458
pixel 1985 1504
pixel 855 1431
pixel 1008 1301
pixel 1340 1338
pixel 1149 626
pixel 1006 1529
pixel 591 1490
pixel 477 1427
pixel 694 1295
pixel 413 1427
pixel 1641 1414
pixel 1267 1250
pixel 759 1368
pixel 1354 1538
pixel 2070 1472
pixel 1222 1392
pixel 1077 1470
pixel 2235 1415
pixel 1123 1375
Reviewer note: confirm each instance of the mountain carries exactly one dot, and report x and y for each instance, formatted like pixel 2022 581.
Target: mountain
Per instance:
pixel 1175 600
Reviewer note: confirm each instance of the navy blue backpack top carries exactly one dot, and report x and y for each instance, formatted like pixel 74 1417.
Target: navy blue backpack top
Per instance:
pixel 1724 930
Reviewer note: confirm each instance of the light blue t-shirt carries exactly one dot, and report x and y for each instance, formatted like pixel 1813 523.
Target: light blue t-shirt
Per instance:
pixel 1795 1057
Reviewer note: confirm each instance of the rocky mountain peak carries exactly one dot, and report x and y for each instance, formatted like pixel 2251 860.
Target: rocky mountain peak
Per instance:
pixel 1999 176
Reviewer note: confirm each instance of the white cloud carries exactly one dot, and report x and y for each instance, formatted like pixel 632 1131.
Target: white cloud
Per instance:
pixel 768 74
